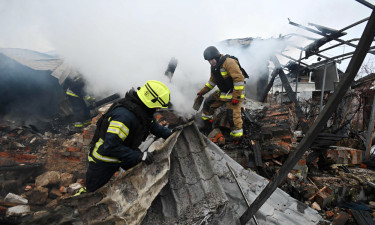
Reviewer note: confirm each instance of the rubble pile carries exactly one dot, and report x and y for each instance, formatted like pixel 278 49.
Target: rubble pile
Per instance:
pixel 39 168
pixel 330 178
pixel 19 144
pixel 272 133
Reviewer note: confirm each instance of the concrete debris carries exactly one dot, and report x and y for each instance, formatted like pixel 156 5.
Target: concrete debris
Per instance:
pixel 316 206
pixel 13 198
pixel 73 188
pixel 47 178
pixel 20 210
pixel 66 179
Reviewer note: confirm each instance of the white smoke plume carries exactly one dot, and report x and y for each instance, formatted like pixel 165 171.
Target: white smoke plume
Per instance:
pixel 120 44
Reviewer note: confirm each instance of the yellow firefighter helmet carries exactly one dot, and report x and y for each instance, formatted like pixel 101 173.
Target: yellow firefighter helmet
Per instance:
pixel 154 94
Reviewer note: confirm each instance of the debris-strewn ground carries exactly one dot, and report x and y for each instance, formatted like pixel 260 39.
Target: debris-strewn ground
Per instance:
pixel 331 177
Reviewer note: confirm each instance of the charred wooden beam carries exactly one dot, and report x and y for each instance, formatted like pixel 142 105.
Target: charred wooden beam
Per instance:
pixel 18 167
pixel 275 72
pixel 362 217
pixel 343 29
pixel 331 36
pixel 295 60
pixel 257 153
pixel 353 67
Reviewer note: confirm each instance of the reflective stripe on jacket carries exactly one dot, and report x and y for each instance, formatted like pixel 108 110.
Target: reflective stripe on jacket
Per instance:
pixel 228 77
pixel 122 133
pixel 71 93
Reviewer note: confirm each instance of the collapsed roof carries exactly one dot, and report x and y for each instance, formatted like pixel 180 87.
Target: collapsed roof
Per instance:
pixel 190 181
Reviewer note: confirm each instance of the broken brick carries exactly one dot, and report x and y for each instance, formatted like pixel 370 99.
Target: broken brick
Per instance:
pixel 323 199
pixel 74 149
pixel 344 155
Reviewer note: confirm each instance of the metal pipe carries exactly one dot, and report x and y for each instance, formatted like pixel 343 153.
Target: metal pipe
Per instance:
pixel 323 86
pixel 334 46
pixel 294 59
pixel 297 47
pixel 243 194
pixel 354 24
pixel 300 35
pixel 299 65
pixel 363 2
pixel 281 95
pixel 346 54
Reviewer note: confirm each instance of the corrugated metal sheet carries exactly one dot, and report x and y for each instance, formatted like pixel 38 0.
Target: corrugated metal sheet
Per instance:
pixel 280 208
pixel 191 175
pixel 40 61
pixel 197 171
pixel 32 59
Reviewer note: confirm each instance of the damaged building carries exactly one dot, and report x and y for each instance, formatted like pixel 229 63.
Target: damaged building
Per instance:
pixel 307 155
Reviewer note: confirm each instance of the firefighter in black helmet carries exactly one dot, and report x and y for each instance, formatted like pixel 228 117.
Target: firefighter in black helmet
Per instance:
pixel 228 75
pixel 211 53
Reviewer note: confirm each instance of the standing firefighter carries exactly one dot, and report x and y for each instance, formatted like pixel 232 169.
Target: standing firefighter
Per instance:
pixel 228 75
pixel 121 130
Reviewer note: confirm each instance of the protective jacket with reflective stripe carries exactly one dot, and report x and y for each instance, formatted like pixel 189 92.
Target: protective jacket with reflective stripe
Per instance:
pixel 228 76
pixel 123 129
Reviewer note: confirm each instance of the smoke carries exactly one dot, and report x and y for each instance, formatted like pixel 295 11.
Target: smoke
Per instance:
pixel 255 58
pixel 121 44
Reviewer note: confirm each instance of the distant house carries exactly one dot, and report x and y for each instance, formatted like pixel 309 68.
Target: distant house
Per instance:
pixel 365 91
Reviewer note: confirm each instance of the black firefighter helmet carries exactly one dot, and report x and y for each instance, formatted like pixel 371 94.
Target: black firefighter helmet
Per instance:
pixel 211 53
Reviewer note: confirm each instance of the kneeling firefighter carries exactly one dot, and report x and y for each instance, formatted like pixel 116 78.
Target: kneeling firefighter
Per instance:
pixel 121 130
pixel 228 75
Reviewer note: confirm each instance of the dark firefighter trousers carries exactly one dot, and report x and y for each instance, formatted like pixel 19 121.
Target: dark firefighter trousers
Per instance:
pixel 98 174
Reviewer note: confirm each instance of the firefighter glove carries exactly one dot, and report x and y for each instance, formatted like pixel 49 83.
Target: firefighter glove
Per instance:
pixel 234 101
pixel 147 157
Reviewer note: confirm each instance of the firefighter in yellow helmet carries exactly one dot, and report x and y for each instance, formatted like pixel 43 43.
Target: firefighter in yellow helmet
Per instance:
pixel 228 75
pixel 121 130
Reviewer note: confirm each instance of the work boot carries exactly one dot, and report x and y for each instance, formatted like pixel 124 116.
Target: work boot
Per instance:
pixel 80 191
pixel 236 140
pixel 207 127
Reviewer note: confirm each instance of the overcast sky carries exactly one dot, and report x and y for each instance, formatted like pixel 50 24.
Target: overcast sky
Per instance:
pixel 120 44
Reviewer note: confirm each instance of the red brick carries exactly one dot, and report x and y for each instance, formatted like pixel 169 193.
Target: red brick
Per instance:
pixel 344 155
pixel 74 149
pixel 302 162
